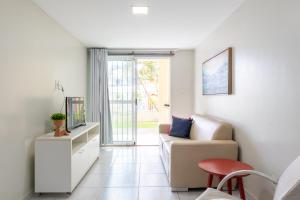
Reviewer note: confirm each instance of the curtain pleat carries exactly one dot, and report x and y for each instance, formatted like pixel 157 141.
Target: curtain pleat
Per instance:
pixel 99 106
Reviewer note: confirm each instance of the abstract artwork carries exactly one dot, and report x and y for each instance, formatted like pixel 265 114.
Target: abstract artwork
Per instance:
pixel 216 74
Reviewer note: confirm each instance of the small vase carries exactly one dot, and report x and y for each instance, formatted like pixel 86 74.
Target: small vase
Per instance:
pixel 58 124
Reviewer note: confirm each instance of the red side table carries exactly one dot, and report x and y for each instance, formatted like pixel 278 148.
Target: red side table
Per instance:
pixel 223 167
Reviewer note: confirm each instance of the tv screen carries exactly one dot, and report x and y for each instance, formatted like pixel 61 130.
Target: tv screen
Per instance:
pixel 75 113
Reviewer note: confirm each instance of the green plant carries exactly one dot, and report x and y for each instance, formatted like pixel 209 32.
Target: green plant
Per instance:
pixel 58 116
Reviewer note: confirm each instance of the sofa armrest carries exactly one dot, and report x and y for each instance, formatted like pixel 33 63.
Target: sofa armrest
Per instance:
pixel 185 156
pixel 164 128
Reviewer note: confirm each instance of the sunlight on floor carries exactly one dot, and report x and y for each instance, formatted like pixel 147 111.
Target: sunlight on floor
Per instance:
pixel 147 136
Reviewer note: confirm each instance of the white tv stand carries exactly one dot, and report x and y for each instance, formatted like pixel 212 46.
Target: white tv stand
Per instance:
pixel 61 162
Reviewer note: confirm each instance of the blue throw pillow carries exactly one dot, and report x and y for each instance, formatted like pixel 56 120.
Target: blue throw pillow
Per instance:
pixel 181 127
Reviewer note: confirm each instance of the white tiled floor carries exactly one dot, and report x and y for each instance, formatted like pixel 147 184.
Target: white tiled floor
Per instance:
pixel 147 136
pixel 127 173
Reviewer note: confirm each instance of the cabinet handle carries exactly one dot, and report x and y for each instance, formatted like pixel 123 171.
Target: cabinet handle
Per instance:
pixel 81 151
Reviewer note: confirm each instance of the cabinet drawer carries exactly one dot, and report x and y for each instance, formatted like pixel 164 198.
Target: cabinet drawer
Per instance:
pixel 79 165
pixel 94 142
pixel 93 151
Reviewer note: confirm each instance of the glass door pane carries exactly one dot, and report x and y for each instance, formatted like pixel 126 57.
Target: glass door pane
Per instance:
pixel 153 98
pixel 122 86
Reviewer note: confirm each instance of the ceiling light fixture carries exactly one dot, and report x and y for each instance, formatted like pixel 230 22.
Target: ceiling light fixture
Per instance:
pixel 140 10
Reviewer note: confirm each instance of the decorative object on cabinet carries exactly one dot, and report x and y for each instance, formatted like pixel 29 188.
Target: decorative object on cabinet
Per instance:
pixel 59 122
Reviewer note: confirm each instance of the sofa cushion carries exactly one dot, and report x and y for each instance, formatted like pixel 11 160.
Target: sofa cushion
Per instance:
pixel 181 127
pixel 167 146
pixel 208 128
pixel 168 138
pixel 166 141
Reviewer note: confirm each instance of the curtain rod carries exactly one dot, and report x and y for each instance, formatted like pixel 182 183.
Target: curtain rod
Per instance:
pixel 139 52
pixel 150 54
pixel 141 49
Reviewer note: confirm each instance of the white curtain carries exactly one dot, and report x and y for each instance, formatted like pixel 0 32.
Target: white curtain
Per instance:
pixel 99 107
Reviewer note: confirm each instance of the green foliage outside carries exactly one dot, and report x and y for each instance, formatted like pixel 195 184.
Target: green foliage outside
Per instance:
pixel 149 124
pixel 141 124
pixel 148 75
pixel 149 72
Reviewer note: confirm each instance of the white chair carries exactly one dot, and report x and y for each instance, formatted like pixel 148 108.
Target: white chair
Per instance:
pixel 288 186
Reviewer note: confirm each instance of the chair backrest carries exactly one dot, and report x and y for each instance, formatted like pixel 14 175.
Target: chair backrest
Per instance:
pixel 288 187
pixel 208 128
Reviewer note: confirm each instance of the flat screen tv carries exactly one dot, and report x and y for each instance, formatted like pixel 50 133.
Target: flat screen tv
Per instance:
pixel 75 113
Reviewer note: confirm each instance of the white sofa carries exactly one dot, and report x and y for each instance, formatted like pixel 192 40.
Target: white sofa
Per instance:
pixel 209 138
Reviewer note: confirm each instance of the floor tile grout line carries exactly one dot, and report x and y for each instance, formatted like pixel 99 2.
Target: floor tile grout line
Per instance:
pixel 139 176
pixel 178 195
pixel 124 186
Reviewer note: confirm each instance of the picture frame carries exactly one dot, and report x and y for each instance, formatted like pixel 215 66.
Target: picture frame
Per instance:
pixel 217 74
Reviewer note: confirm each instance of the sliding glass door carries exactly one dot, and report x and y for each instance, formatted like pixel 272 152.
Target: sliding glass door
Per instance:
pixel 122 93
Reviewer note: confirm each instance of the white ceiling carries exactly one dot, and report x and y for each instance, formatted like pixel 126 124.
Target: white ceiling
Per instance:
pixel 110 23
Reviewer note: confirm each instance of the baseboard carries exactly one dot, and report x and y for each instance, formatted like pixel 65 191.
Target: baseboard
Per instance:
pixel 250 195
pixel 27 196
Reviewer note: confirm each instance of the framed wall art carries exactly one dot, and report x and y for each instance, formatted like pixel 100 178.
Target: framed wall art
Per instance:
pixel 217 74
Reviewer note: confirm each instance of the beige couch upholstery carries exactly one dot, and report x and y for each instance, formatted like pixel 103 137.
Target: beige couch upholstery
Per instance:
pixel 209 138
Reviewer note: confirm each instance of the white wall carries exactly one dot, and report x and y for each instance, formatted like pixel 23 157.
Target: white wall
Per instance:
pixel 34 52
pixel 264 107
pixel 182 83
